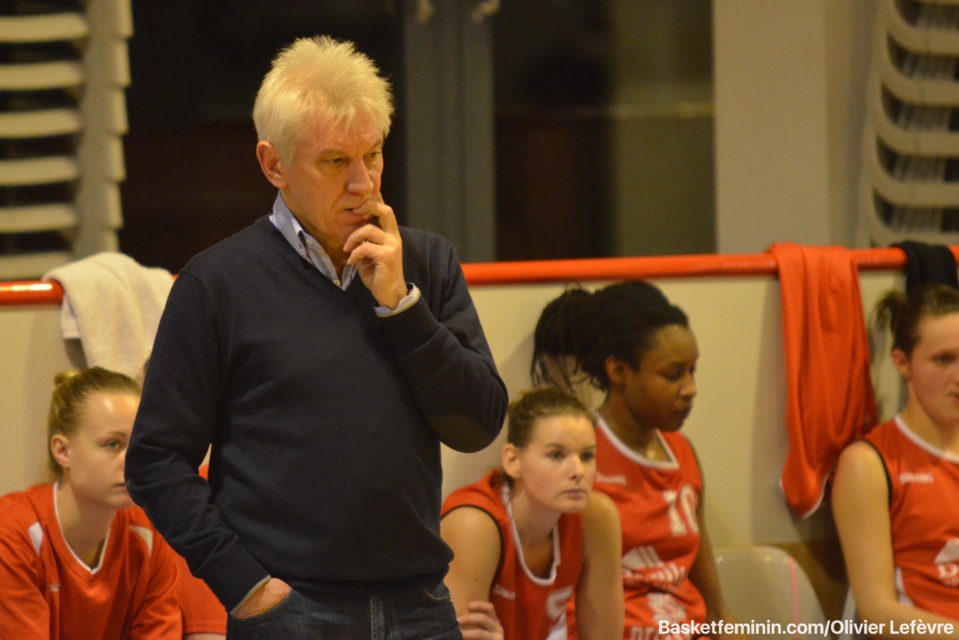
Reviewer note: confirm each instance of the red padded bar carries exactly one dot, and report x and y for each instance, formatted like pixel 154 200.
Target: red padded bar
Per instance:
pixel 40 292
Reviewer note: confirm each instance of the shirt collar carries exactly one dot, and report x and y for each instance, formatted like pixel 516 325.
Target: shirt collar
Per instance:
pixel 287 224
pixel 306 245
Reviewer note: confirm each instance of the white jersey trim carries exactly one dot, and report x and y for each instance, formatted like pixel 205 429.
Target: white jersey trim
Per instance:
pixel 922 444
pixel 144 533
pixel 35 531
pixel 95 569
pixel 671 464
pixel 542 582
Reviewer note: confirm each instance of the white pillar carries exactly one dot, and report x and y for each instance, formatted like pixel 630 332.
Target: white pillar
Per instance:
pixel 789 86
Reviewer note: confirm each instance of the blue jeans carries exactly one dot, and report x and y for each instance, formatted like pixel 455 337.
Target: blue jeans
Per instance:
pixel 415 614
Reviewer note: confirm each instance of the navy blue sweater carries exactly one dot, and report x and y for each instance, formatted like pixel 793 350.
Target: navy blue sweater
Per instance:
pixel 325 420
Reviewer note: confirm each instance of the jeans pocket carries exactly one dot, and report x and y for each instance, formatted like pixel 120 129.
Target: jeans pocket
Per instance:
pixel 270 613
pixel 438 595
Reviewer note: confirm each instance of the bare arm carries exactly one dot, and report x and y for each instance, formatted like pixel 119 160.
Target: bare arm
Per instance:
pixel 861 509
pixel 599 594
pixel 474 537
pixel 704 574
pixel 481 622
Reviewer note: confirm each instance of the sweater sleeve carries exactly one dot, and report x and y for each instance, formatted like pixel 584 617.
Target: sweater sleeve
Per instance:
pixel 173 429
pixel 201 611
pixel 441 346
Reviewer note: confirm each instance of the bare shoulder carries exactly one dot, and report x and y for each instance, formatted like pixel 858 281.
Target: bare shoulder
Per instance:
pixel 859 461
pixel 860 450
pixel 470 528
pixel 600 507
pixel 601 521
pixel 474 537
pixel 860 481
pixel 469 517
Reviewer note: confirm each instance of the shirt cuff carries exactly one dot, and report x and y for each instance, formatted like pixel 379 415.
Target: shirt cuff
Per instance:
pixel 408 301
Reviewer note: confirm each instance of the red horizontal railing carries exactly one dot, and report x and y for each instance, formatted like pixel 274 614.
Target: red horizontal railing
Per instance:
pixel 692 266
pixel 41 292
pixel 30 293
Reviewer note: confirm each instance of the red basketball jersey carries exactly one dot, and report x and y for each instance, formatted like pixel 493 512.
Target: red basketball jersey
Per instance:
pixel 924 514
pixel 657 507
pixel 47 592
pixel 528 607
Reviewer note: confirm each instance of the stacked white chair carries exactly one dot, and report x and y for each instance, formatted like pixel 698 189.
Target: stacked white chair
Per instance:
pixel 910 178
pixel 766 586
pixel 63 73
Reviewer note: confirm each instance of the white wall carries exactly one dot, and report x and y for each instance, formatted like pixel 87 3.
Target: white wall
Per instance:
pixel 789 97
pixel 31 353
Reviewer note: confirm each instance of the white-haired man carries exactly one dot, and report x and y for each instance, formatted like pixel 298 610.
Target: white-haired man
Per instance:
pixel 325 353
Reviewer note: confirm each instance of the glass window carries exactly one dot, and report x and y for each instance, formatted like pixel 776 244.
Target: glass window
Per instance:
pixel 604 128
pixel 603 120
pixel 192 175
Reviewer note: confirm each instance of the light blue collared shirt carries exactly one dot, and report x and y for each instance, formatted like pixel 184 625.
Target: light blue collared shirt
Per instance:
pixel 313 252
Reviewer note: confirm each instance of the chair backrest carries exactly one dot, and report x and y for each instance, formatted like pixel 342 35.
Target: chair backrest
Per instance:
pixel 765 585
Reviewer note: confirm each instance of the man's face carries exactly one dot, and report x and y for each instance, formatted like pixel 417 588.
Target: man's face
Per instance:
pixel 334 171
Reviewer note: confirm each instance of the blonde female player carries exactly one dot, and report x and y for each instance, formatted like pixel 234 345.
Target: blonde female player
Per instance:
pixel 530 536
pixel 76 559
pixel 896 492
